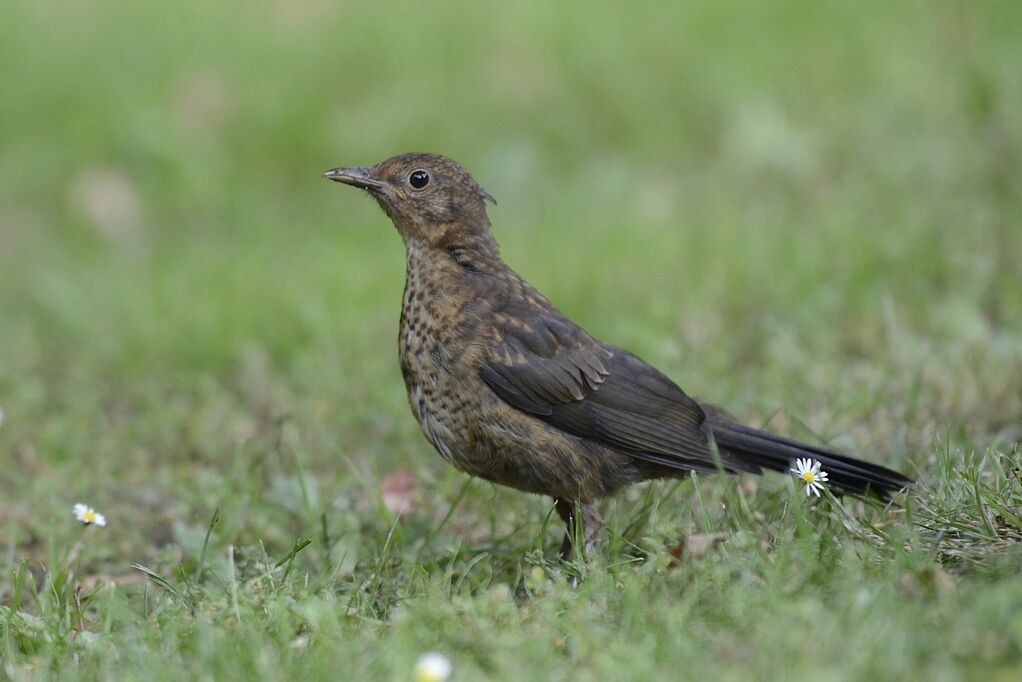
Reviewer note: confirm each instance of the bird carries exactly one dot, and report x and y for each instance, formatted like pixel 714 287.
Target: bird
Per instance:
pixel 508 389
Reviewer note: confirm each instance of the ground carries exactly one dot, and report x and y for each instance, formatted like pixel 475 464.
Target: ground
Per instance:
pixel 807 213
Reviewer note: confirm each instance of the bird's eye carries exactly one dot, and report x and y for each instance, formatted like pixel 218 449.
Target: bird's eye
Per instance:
pixel 418 179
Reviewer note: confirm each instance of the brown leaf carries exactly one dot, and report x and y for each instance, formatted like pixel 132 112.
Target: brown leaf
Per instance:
pixel 695 546
pixel 397 489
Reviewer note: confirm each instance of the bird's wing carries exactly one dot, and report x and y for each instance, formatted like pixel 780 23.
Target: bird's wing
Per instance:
pixel 549 367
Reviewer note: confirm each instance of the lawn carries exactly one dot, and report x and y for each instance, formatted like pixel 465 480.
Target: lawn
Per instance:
pixel 805 212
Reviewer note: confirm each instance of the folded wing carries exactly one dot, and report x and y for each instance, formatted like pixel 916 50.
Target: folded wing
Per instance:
pixel 554 370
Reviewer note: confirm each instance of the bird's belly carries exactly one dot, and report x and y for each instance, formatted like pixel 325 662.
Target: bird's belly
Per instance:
pixel 470 434
pixel 473 430
pixel 435 422
pixel 450 416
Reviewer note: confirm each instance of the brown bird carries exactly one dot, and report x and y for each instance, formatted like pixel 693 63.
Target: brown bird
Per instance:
pixel 509 389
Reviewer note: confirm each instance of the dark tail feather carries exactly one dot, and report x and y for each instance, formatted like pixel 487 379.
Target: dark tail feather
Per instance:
pixel 777 453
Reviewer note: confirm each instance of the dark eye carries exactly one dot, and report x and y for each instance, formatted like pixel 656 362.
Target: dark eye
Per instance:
pixel 418 179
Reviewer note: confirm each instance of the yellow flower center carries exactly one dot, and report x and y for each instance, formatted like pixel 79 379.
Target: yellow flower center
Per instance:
pixel 808 476
pixel 89 516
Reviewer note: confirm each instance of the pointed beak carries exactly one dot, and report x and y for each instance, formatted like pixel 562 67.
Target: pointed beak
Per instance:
pixel 356 176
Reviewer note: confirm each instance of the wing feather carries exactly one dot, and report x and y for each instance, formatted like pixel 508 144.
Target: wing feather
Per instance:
pixel 554 370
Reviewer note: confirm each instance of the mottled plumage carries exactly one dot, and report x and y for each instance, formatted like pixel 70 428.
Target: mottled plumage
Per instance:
pixel 507 388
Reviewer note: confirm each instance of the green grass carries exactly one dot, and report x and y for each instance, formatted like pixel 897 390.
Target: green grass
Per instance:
pixel 806 212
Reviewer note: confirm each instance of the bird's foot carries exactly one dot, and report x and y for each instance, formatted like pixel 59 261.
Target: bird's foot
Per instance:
pixel 589 531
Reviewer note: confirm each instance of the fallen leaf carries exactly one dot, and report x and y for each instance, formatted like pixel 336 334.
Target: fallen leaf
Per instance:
pixel 695 545
pixel 397 489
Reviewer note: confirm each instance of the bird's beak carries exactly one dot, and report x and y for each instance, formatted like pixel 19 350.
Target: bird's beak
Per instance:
pixel 356 176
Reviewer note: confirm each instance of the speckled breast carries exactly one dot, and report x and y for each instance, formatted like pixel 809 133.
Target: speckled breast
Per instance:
pixel 425 341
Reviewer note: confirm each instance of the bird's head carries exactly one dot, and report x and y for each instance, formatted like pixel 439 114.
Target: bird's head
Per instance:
pixel 431 198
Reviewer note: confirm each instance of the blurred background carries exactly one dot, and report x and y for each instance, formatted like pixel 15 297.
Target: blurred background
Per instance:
pixel 807 212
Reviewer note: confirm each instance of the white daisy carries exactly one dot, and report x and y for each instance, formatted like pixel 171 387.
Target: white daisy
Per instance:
pixel 432 667
pixel 811 474
pixel 88 516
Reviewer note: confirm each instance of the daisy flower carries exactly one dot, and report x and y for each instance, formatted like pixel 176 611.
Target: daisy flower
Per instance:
pixel 432 667
pixel 88 516
pixel 809 471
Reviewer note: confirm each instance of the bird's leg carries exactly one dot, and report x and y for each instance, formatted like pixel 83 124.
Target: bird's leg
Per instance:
pixel 591 531
pixel 592 528
pixel 566 510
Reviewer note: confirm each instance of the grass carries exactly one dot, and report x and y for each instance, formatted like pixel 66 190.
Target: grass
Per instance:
pixel 805 212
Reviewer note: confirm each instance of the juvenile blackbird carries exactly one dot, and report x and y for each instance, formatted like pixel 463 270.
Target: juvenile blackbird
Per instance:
pixel 509 389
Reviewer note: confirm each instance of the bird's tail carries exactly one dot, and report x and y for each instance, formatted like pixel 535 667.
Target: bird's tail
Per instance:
pixel 762 449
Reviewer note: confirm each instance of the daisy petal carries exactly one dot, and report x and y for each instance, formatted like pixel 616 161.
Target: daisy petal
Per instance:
pixel 432 667
pixel 87 515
